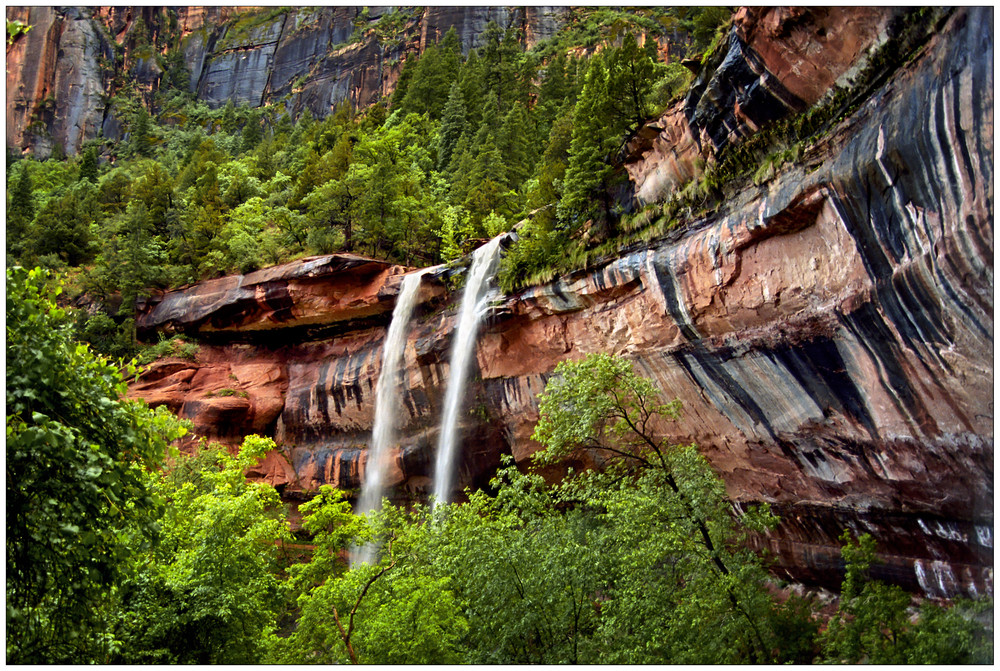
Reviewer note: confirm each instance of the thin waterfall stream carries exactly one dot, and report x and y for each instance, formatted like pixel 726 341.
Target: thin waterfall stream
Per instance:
pixel 463 347
pixel 387 405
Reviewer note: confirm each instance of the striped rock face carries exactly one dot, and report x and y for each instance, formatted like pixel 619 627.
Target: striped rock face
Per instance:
pixel 830 334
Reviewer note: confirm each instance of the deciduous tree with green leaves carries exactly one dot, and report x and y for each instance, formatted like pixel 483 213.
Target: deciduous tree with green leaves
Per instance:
pixel 211 588
pixel 874 623
pixel 684 590
pixel 77 461
pixel 391 611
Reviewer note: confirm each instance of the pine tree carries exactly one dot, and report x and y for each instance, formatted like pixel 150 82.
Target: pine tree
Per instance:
pixel 453 124
pixel 433 75
pixel 587 167
pixel 227 120
pixel 473 83
pixel 88 165
pixel 517 142
pixel 488 191
pixel 403 83
pixel 140 142
pixel 252 133
pixel 421 91
pixel 501 54
pixel 20 211
pixel 62 226
pixel 460 168
pixel 630 80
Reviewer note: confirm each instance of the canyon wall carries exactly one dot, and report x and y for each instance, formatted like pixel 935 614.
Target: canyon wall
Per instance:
pixel 62 72
pixel 829 332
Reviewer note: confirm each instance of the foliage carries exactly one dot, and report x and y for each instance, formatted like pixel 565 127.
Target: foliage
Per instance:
pixel 78 498
pixel 195 192
pixel 614 102
pixel 15 29
pixel 382 613
pixel 874 625
pixel 210 589
pixel 600 405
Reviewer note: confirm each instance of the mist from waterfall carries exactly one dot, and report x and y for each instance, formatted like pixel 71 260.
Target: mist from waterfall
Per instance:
pixel 387 405
pixel 463 347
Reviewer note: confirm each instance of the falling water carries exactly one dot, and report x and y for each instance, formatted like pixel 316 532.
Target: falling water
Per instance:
pixel 484 262
pixel 387 407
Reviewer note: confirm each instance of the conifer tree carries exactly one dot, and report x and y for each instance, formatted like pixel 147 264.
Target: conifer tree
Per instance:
pixel 587 167
pixel 501 54
pixel 140 143
pixel 460 168
pixel 62 226
pixel 422 88
pixel 252 133
pixel 488 191
pixel 630 80
pixel 433 75
pixel 452 126
pixel 517 143
pixel 20 210
pixel 88 165
pixel 403 83
pixel 473 83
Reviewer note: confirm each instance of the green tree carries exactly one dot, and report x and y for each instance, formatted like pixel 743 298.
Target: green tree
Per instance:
pixel 252 133
pixel 472 78
pixel 403 83
pixel 631 72
pixel 669 511
pixel 131 259
pixel 528 572
pixel 63 225
pixel 208 592
pixel 77 460
pixel 501 55
pixel 88 165
pixel 252 236
pixel 141 138
pixel 518 144
pixel 20 210
pixel 386 612
pixel 154 188
pixel 452 126
pixel 437 69
pixel 873 624
pixel 114 190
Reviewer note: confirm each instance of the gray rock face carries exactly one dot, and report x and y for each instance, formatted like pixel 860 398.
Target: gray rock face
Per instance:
pixel 469 23
pixel 303 57
pixel 240 68
pixel 55 85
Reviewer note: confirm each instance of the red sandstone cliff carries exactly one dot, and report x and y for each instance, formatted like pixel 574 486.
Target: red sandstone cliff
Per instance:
pixel 829 332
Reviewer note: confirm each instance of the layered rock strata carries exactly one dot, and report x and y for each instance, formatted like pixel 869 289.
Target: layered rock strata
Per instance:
pixel 830 334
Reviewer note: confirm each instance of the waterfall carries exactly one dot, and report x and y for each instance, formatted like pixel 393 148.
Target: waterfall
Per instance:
pixel 463 347
pixel 387 406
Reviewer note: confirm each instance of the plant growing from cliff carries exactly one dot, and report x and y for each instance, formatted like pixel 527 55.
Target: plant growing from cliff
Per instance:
pixel 77 459
pixel 15 29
